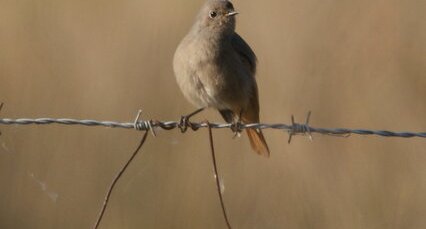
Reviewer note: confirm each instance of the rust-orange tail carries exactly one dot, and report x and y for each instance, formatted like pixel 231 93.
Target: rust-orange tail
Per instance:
pixel 258 142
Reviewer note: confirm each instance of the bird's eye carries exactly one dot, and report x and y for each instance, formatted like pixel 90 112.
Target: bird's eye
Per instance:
pixel 212 14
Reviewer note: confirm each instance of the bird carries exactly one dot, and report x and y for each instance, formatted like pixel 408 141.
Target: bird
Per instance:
pixel 215 68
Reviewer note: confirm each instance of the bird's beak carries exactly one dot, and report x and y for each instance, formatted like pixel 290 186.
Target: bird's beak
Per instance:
pixel 232 13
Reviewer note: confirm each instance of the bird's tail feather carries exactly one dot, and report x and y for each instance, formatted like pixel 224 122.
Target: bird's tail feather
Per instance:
pixel 258 142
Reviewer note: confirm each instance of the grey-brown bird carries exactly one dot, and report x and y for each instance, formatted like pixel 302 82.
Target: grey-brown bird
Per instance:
pixel 216 68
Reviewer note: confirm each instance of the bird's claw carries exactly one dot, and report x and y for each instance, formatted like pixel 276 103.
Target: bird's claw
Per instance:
pixel 236 127
pixel 184 123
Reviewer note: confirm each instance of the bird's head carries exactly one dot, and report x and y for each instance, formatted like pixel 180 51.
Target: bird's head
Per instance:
pixel 218 16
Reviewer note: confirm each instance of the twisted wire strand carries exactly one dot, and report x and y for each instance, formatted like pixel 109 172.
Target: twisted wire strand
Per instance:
pixel 294 128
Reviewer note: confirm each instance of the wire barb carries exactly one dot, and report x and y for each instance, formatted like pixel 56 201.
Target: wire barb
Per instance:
pixel 300 129
pixel 136 123
pixel 143 125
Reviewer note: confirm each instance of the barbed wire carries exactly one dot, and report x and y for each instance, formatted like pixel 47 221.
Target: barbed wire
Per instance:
pixel 293 128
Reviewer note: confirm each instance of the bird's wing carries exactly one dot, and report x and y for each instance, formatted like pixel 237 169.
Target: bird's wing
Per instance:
pixel 247 56
pixel 245 52
pixel 250 114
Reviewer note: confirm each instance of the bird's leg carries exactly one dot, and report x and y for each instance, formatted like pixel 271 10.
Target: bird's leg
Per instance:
pixel 184 120
pixel 236 125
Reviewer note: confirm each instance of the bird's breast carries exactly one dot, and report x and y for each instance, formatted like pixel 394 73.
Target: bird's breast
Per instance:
pixel 206 75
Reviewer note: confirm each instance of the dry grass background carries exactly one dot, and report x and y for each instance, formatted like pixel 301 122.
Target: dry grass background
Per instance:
pixel 357 64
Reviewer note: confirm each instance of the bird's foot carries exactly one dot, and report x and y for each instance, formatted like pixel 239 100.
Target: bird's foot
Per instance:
pixel 184 122
pixel 236 127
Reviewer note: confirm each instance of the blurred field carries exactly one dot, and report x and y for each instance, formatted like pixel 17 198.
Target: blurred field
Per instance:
pixel 355 64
